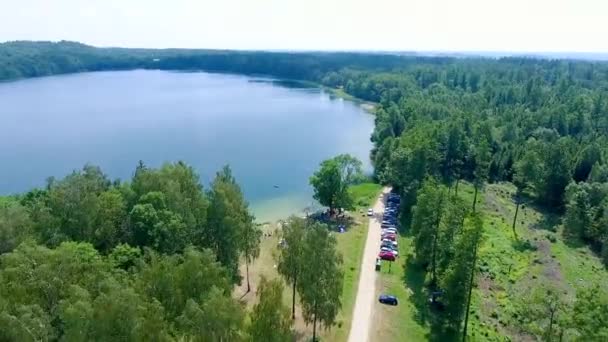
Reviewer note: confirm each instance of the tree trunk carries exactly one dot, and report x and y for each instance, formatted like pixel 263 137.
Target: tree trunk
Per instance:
pixel 293 299
pixel 247 272
pixel 314 325
pixel 466 317
pixel 550 332
pixel 435 238
pixel 475 198
pixel 434 265
pixel 515 219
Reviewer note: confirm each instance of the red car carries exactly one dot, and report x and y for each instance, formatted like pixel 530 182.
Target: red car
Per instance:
pixel 385 255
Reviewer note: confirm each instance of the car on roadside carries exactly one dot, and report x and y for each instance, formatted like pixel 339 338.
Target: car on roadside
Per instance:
pixel 370 212
pixel 388 256
pixel 389 236
pixel 388 242
pixel 388 299
pixel 390 250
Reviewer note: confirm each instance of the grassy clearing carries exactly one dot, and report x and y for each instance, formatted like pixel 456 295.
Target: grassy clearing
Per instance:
pixel 508 269
pixel 351 244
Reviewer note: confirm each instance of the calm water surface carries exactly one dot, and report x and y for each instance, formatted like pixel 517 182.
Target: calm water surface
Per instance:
pixel 272 136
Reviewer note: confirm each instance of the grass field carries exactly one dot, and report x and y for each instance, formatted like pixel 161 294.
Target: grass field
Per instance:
pixel 350 244
pixel 507 270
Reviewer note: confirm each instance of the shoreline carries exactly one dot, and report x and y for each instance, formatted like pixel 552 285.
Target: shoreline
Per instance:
pixel 368 106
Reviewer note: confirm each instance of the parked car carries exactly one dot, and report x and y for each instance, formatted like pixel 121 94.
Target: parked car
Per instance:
pixel 386 256
pixel 388 299
pixel 388 243
pixel 378 264
pixel 393 243
pixel 370 212
pixel 390 250
pixel 389 236
pixel 390 230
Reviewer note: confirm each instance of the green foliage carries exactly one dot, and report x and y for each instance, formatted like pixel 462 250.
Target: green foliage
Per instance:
pixel 321 278
pixel 15 225
pixel 546 168
pixel 456 282
pixel 586 214
pixel 229 225
pixel 426 218
pixel 590 314
pixel 291 259
pixel 270 319
pixel 332 180
pixel 545 312
pixel 150 260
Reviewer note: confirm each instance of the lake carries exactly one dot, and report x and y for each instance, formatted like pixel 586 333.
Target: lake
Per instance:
pixel 273 135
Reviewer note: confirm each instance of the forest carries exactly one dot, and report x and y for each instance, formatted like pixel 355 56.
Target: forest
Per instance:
pixel 440 124
pixel 155 258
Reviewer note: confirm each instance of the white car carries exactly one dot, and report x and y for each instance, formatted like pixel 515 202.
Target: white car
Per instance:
pixel 389 230
pixel 391 241
pixel 370 212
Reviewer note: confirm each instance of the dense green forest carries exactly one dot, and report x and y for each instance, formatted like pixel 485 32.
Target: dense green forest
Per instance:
pixel 152 259
pixel 541 125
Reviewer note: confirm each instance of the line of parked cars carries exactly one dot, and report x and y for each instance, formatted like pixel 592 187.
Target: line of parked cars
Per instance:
pixel 389 248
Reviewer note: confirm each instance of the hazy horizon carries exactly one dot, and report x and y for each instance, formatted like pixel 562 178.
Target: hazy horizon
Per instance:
pixel 466 26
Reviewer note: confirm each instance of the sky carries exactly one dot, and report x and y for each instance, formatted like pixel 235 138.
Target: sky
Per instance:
pixel 383 25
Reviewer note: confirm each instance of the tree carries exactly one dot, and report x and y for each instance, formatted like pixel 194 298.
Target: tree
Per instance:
pixel 250 235
pixel 15 226
pixel 227 219
pixel 451 226
pixel 519 180
pixel 291 260
pixel 321 279
pixel 270 319
pixel 544 312
pixel 216 318
pixel 332 180
pixel 426 218
pixel 546 168
pixel 109 221
pixel 457 282
pixel 590 314
pixel 482 159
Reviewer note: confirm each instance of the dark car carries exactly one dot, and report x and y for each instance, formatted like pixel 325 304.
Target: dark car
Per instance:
pixel 388 299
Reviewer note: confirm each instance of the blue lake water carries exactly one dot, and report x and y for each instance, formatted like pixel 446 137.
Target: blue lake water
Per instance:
pixel 272 136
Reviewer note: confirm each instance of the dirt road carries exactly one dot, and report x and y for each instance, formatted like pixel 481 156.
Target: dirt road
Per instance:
pixel 364 304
